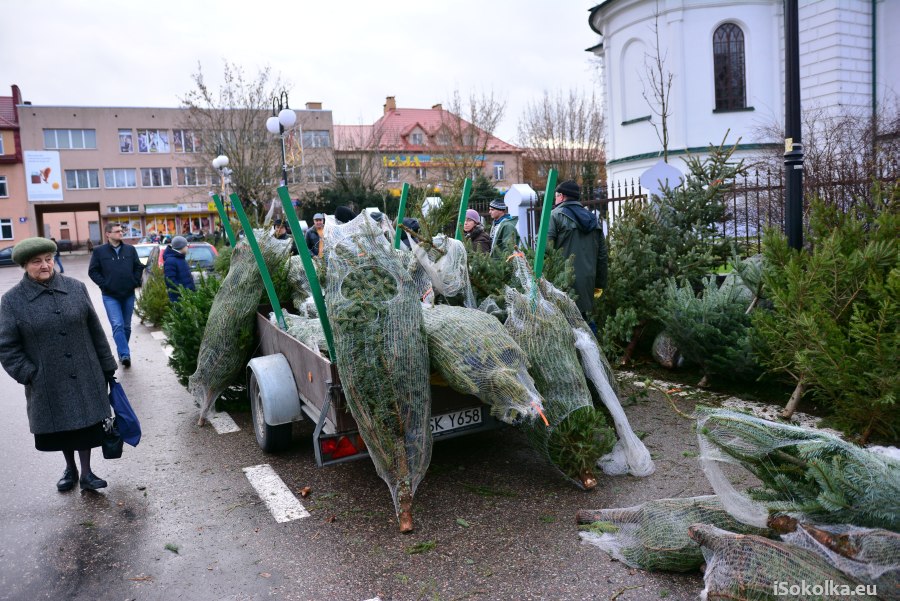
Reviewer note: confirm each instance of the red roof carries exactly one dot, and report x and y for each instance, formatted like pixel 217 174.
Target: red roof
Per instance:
pixel 394 128
pixel 8 112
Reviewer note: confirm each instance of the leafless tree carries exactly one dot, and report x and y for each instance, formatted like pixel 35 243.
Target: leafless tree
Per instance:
pixel 659 81
pixel 231 120
pixel 467 126
pixel 565 131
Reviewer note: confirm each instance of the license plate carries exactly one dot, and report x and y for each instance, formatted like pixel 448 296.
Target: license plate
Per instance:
pixel 448 422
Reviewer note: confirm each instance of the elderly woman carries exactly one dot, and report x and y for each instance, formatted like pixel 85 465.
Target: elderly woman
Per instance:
pixel 51 342
pixel 474 232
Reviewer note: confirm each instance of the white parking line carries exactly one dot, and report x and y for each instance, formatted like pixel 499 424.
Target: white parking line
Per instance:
pixel 158 335
pixel 275 494
pixel 222 422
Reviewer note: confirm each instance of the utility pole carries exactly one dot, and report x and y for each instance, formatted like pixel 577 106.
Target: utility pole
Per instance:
pixel 793 148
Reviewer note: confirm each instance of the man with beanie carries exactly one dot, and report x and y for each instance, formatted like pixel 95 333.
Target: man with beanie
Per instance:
pixel 176 269
pixel 116 269
pixel 344 214
pixel 504 233
pixel 577 231
pixel 475 234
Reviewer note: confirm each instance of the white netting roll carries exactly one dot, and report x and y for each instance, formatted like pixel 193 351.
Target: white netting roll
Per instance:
pixel 382 354
pixel 476 356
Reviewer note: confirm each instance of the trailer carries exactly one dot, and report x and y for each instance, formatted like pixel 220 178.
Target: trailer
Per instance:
pixel 288 381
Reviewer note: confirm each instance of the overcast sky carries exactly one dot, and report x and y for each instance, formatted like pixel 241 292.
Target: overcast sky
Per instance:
pixel 347 54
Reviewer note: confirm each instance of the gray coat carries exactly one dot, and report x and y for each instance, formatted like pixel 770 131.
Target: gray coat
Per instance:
pixel 51 341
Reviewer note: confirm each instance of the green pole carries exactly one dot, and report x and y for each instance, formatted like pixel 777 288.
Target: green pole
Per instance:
pixel 545 225
pixel 263 270
pixel 463 207
pixel 401 214
pixel 308 266
pixel 223 215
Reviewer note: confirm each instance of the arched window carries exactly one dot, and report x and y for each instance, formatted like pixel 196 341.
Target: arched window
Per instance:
pixel 728 63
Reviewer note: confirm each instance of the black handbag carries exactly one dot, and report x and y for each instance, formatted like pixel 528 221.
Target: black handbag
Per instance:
pixel 112 440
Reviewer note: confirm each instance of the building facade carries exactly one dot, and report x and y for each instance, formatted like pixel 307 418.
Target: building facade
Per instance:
pixel 424 147
pixel 85 167
pixel 14 224
pixel 726 60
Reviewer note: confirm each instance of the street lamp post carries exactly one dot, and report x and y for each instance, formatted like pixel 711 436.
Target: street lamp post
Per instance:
pixel 282 118
pixel 220 164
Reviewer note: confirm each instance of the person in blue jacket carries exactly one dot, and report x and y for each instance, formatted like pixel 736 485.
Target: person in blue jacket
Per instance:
pixel 176 268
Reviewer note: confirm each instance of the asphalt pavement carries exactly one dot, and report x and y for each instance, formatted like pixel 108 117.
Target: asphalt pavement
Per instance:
pixel 181 519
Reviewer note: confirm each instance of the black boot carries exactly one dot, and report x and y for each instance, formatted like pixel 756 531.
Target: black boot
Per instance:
pixel 67 482
pixel 89 481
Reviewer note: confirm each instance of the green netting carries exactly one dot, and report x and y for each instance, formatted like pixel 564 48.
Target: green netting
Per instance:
pixel 654 535
pixel 229 330
pixel 746 567
pixel 473 352
pixel 809 474
pixel 629 455
pixel 382 354
pixel 577 435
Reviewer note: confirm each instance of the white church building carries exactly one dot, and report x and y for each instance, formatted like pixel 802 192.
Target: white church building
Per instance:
pixel 726 58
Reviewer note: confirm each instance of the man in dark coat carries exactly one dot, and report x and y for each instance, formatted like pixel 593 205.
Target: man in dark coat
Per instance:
pixel 577 231
pixel 176 268
pixel 116 269
pixel 315 236
pixel 474 232
pixel 51 341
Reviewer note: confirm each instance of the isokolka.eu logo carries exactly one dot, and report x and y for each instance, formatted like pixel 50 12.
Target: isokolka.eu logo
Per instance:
pixel 829 588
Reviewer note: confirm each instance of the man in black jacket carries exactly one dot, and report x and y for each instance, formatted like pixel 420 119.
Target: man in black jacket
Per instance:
pixel 115 267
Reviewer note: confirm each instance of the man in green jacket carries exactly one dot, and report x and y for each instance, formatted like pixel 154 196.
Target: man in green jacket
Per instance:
pixel 504 233
pixel 578 232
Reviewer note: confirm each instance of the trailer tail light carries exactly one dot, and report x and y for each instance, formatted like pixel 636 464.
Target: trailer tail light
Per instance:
pixel 341 446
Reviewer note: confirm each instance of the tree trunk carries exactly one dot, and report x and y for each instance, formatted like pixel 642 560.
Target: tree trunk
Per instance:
pixel 794 400
pixel 632 344
pixel 405 516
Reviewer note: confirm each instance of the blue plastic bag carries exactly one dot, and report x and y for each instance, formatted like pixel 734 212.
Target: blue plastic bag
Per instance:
pixel 126 420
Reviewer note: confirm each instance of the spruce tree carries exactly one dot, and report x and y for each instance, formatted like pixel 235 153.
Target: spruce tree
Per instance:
pixel 671 236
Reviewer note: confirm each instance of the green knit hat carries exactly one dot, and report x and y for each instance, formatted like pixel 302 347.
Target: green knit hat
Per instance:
pixel 31 247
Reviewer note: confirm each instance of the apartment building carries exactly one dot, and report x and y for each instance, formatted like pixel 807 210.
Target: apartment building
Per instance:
pixel 141 167
pixel 423 147
pixel 13 204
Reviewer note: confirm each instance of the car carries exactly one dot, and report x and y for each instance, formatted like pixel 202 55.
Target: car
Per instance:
pixel 143 250
pixel 6 256
pixel 201 257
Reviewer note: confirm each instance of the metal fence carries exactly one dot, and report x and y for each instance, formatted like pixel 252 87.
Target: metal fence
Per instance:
pixel 754 203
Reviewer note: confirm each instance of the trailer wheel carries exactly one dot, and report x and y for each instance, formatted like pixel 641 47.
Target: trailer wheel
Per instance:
pixel 271 439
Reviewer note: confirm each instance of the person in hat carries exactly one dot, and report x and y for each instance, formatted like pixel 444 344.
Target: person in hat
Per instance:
pixel 577 231
pixel 344 214
pixel 52 342
pixel 474 232
pixel 315 236
pixel 504 230
pixel 280 230
pixel 117 270
pixel 413 224
pixel 176 268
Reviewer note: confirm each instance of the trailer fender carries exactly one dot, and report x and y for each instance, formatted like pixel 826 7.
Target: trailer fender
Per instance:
pixel 277 389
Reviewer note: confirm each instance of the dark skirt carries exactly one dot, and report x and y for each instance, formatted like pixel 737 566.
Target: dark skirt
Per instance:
pixel 70 440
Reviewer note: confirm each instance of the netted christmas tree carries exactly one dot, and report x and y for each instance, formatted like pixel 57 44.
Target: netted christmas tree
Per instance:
pixel 672 236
